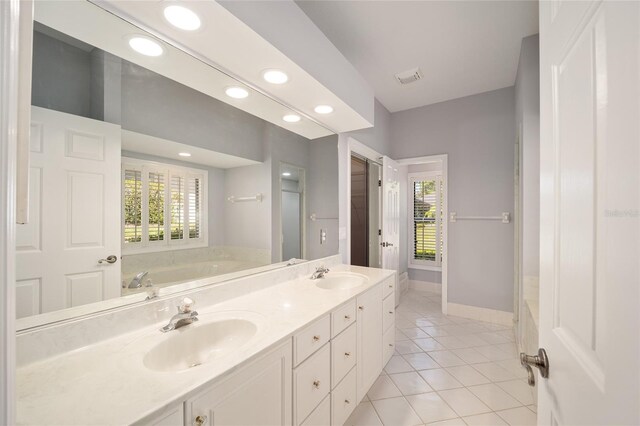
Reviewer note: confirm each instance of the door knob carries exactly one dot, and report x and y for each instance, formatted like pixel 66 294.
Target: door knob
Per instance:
pixel 109 259
pixel 540 361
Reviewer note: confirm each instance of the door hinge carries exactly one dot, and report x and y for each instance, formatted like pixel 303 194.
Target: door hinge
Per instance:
pixel 379 231
pixel 379 182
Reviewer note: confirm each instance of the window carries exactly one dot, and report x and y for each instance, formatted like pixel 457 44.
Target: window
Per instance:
pixel 163 206
pixel 426 206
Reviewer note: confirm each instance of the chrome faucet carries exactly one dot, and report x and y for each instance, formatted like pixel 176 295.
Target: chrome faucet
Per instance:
pixel 319 273
pixel 185 316
pixel 136 282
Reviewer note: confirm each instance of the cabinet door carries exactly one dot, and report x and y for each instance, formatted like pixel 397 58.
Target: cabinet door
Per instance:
pixel 257 394
pixel 369 339
pixel 171 416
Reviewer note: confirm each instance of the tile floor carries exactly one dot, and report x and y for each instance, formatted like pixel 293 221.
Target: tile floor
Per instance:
pixel 447 371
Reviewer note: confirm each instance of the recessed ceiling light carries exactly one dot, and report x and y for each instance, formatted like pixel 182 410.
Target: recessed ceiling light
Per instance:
pixel 236 92
pixel 184 154
pixel 145 46
pixel 323 109
pixel 291 118
pixel 275 77
pixel 182 18
pixel 286 174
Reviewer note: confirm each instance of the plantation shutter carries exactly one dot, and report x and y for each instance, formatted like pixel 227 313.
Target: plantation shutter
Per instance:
pixel 132 205
pixel 177 207
pixel 193 208
pixel 427 226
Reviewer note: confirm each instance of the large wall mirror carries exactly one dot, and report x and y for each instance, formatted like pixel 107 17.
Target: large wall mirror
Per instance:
pixel 150 175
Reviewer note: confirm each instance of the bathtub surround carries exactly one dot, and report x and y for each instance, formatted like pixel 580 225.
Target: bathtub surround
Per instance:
pixel 176 266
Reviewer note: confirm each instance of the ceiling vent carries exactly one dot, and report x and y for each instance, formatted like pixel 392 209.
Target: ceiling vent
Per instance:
pixel 409 76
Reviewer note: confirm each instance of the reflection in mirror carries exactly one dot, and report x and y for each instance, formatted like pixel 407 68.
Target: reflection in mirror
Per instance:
pixel 292 202
pixel 146 176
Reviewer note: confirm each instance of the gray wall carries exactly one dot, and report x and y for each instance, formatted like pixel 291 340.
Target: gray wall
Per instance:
pixel 527 95
pixel 478 134
pixel 157 106
pixel 61 76
pixel 322 187
pixel 248 223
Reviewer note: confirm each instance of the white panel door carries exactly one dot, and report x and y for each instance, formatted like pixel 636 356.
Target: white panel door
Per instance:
pixel 74 215
pixel 390 214
pixel 589 199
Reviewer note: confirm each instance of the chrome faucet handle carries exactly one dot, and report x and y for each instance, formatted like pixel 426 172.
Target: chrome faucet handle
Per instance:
pixel 185 305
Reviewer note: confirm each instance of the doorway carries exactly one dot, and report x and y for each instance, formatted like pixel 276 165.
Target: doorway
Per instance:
pixel 292 193
pixel 365 212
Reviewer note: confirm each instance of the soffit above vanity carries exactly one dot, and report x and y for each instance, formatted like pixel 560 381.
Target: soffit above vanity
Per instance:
pixel 232 45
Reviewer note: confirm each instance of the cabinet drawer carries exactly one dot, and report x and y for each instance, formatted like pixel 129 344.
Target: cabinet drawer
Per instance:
pixel 388 312
pixel 311 383
pixel 311 339
pixel 388 344
pixel 388 286
pixel 343 317
pixel 343 354
pixel 343 399
pixel 321 416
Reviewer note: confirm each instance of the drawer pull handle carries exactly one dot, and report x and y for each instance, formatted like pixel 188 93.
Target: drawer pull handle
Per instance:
pixel 316 384
pixel 390 285
pixel 391 312
pixel 347 354
pixel 200 420
pixel 347 317
pixel 347 401
pixel 316 338
pixel 391 344
pixel 361 308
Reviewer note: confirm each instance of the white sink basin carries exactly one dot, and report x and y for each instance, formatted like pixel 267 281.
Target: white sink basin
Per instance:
pixel 341 280
pixel 198 343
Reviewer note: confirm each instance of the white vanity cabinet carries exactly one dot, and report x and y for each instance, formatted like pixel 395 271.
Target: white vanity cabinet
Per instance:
pixel 317 377
pixel 369 331
pixel 256 394
pixel 388 319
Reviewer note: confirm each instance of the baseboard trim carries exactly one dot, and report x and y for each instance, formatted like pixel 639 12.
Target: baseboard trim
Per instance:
pixel 481 314
pixel 425 286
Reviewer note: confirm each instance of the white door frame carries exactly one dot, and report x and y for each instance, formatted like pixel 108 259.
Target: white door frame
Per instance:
pixel 303 209
pixel 350 146
pixel 441 158
pixel 9 72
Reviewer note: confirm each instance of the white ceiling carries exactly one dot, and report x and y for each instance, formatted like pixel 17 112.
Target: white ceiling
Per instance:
pixel 462 47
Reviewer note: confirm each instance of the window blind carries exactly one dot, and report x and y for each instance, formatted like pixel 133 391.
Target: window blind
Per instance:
pixel 427 223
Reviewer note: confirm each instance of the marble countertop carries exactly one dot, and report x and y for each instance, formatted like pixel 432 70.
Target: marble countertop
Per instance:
pixel 107 383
